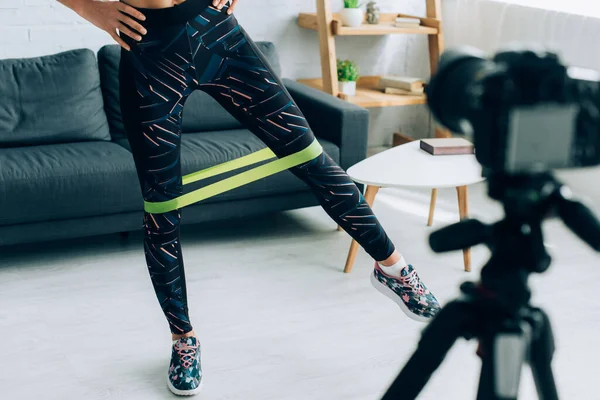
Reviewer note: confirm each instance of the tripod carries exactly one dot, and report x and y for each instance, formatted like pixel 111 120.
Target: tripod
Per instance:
pixel 496 310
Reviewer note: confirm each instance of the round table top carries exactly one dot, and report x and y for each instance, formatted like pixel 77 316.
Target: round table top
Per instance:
pixel 409 166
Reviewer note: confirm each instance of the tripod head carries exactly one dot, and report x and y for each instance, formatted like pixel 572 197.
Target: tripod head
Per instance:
pixel 516 241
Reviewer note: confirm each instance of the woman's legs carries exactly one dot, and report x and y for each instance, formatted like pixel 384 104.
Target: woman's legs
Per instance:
pixel 155 80
pixel 211 52
pixel 153 91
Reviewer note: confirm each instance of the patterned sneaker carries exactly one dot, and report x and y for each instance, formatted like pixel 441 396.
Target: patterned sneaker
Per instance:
pixel 408 292
pixel 185 372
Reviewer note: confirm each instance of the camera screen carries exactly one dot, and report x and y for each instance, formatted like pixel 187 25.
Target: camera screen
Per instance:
pixel 540 138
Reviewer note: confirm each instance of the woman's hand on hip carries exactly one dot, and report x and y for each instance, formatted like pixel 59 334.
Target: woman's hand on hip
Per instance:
pixel 112 15
pixel 222 3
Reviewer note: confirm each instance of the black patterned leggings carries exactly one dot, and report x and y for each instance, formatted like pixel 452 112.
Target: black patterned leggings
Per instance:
pixel 195 46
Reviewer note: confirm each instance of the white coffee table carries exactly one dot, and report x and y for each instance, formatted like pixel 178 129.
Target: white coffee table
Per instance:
pixel 409 166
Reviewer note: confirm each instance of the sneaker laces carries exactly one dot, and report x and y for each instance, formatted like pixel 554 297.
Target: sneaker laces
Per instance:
pixel 186 354
pixel 413 280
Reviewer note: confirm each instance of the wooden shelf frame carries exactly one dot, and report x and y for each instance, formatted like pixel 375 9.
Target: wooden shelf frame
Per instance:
pixel 328 25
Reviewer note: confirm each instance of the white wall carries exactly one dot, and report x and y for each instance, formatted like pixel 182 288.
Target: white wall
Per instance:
pixel 39 27
pixel 492 25
pixel 581 7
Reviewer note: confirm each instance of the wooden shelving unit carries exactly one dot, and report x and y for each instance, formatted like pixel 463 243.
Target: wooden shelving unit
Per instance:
pixel 368 94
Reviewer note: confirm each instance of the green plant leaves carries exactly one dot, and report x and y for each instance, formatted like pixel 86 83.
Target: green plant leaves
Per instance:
pixel 352 4
pixel 347 71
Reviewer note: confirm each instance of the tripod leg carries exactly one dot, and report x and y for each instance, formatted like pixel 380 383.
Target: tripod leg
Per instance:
pixel 438 337
pixel 542 351
pixel 503 354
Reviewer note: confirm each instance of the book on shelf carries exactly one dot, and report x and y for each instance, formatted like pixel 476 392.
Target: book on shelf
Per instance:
pixel 403 25
pixel 391 90
pixel 447 146
pixel 401 82
pixel 406 20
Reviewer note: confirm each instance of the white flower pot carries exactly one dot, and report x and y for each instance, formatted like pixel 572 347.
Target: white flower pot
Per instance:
pixel 352 17
pixel 347 88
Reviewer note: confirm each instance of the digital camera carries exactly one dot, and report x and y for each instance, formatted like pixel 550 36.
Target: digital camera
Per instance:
pixel 525 111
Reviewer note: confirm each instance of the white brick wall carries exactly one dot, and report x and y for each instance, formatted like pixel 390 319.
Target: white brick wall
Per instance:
pixel 39 27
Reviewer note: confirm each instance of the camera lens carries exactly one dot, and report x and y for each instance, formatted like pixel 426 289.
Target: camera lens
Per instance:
pixel 450 92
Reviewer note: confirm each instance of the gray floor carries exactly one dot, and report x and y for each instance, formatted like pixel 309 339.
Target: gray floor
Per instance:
pixel 277 318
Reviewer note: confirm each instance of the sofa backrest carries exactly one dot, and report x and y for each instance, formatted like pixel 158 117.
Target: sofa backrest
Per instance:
pixel 201 112
pixel 51 99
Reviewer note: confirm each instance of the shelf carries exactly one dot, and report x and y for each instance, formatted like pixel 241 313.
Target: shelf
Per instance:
pixel 385 28
pixel 368 96
pixel 429 26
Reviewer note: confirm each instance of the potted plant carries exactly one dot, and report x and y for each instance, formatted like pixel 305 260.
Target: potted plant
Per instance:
pixel 347 76
pixel 352 15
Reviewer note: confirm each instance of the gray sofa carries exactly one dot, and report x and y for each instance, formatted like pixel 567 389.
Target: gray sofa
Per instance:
pixel 65 165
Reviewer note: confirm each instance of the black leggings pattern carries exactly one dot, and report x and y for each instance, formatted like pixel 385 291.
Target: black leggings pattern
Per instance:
pixel 210 51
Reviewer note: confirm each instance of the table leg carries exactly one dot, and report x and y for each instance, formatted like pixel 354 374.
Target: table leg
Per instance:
pixel 463 210
pixel 432 206
pixel 370 198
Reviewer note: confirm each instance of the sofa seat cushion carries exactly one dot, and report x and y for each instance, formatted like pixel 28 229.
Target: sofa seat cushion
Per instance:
pixel 206 149
pixel 51 182
pixel 51 99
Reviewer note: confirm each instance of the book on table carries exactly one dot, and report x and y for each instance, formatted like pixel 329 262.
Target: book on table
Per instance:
pixel 447 146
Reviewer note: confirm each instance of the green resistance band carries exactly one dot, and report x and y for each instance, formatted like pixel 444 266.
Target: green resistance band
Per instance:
pixel 309 153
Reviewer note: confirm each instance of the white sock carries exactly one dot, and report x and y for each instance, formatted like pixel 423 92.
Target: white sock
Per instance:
pixel 394 270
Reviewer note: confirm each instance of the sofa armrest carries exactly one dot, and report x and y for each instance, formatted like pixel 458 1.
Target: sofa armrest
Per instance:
pixel 333 119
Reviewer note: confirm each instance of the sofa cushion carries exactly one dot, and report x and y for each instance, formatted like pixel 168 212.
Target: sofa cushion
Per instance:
pixel 61 181
pixel 201 112
pixel 203 150
pixel 51 99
